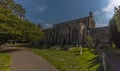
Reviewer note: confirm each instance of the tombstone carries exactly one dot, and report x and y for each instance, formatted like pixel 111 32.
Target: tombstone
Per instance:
pixel 80 50
pixel 97 43
pixel 98 48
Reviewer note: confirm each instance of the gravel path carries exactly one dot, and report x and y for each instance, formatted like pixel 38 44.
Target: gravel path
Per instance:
pixel 114 62
pixel 23 60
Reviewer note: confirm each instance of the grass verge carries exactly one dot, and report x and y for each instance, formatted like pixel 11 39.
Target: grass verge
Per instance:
pixel 4 62
pixel 70 60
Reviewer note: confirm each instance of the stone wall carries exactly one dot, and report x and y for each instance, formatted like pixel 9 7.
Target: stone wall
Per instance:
pixel 101 35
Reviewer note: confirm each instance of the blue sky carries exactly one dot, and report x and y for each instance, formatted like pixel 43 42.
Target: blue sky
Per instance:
pixel 50 12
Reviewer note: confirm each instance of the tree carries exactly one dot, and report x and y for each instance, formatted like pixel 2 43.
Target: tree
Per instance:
pixel 40 27
pixel 13 26
pixel 19 11
pixel 89 41
pixel 114 25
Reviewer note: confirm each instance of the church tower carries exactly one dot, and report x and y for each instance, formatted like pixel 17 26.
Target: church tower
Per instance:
pixel 91 20
pixel 90 14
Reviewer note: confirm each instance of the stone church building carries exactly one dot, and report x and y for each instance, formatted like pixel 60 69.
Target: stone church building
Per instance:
pixel 74 32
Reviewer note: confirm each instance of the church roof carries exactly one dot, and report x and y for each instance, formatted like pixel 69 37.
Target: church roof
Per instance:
pixel 73 21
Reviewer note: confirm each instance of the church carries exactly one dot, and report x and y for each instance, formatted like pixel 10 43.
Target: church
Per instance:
pixel 75 31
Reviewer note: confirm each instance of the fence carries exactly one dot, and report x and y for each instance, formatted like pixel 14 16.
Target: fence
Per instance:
pixel 106 64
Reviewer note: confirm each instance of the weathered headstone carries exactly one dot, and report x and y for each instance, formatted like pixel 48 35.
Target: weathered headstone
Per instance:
pixel 80 50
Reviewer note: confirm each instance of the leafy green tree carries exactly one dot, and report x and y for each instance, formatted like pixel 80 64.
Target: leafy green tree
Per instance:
pixel 89 41
pixel 13 26
pixel 19 11
pixel 115 27
pixel 40 27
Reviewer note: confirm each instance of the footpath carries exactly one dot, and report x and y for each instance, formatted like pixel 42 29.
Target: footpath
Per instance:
pixel 24 60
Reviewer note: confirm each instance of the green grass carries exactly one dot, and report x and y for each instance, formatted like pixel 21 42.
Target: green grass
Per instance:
pixel 4 62
pixel 70 60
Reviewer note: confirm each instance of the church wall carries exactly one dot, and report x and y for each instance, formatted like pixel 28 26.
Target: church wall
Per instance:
pixel 74 31
pixel 102 34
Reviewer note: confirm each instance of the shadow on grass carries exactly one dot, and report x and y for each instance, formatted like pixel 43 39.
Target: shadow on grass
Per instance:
pixel 9 50
pixel 77 52
pixel 93 62
pixel 31 46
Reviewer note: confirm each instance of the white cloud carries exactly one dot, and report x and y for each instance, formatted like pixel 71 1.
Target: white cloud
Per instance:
pixel 105 14
pixel 44 24
pixel 100 25
pixel 102 18
pixel 109 9
pixel 40 8
pixel 48 25
pixel 111 5
pixel 40 21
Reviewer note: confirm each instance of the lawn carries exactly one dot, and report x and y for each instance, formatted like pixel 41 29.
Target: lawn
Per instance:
pixel 70 60
pixel 4 62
